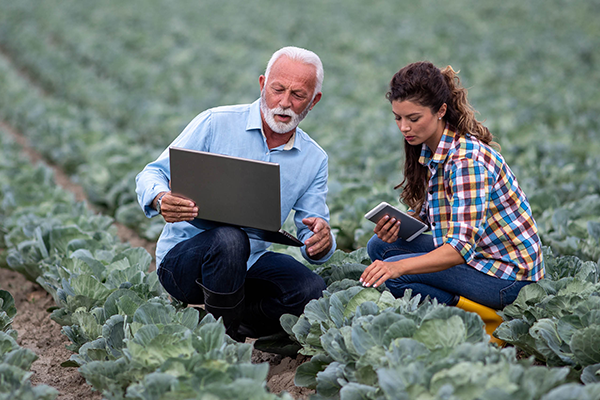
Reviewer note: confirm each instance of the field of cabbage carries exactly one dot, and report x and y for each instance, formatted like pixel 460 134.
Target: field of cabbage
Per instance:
pixel 101 88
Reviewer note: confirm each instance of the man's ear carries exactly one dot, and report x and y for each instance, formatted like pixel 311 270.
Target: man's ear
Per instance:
pixel 261 82
pixel 316 100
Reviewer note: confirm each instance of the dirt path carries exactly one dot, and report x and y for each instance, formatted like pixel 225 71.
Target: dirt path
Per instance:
pixel 42 335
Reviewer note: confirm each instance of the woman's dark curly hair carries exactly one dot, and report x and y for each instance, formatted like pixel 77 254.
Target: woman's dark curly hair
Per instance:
pixel 426 85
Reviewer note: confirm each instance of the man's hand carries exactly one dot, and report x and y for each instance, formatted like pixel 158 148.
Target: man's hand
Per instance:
pixel 175 208
pixel 387 229
pixel 320 242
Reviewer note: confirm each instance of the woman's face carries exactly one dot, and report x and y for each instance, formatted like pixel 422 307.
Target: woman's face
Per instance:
pixel 419 124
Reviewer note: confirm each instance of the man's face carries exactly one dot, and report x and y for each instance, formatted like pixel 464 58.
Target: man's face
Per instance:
pixel 287 96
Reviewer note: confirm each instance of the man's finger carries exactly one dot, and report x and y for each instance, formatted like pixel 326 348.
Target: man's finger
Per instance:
pixel 315 239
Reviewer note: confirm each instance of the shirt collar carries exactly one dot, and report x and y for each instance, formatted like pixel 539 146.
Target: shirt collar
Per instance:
pixel 442 150
pixel 255 123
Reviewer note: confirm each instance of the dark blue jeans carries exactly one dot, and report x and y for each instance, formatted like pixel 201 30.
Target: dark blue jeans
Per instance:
pixel 275 285
pixel 445 286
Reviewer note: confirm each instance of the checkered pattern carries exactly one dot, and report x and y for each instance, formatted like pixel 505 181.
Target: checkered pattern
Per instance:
pixel 475 204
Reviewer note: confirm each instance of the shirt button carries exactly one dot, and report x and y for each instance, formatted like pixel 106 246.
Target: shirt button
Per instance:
pixel 433 224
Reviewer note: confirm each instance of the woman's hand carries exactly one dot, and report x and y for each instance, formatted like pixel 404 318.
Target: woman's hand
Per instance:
pixel 387 229
pixel 379 272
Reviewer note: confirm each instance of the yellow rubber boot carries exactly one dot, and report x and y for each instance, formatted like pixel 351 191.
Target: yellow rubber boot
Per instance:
pixel 490 318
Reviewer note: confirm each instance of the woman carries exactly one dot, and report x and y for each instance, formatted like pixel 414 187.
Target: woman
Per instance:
pixel 483 247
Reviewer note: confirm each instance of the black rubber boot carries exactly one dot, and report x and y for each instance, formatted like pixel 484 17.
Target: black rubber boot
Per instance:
pixel 228 306
pixel 256 324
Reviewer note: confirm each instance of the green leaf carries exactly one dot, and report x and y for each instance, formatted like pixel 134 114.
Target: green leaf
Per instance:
pixel 287 323
pixel 331 380
pixel 403 328
pixel 362 296
pixel 113 331
pixel 574 391
pixel 438 333
pixel 549 343
pixel 122 301
pixel 356 391
pixel 88 291
pixel 591 374
pixel 60 237
pixel 7 304
pixel 153 314
pixel 585 345
pixel 405 351
pixel 209 337
pixel 306 373
pixel 367 333
pixel 335 346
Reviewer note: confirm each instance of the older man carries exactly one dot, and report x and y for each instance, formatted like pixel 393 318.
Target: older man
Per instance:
pixel 235 277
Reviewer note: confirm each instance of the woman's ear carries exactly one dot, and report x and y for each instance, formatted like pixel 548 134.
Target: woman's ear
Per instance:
pixel 442 111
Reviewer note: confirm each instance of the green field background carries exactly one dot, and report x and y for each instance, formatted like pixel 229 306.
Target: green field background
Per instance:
pixel 101 87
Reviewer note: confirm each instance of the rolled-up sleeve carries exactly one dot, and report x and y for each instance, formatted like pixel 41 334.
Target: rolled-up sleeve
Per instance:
pixel 313 204
pixel 155 177
pixel 468 184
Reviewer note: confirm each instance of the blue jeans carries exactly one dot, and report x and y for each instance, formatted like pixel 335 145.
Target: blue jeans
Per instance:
pixel 275 285
pixel 445 286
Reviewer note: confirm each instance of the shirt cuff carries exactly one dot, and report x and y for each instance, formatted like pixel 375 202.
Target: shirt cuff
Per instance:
pixel 148 209
pixel 325 257
pixel 465 249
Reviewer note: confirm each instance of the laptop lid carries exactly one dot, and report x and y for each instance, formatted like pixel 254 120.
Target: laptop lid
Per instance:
pixel 228 189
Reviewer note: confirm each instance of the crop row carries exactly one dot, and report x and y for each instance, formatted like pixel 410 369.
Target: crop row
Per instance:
pixel 102 89
pixel 130 340
pixel 16 361
pixel 365 343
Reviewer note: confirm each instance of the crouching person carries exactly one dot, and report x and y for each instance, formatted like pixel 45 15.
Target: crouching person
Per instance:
pixel 237 278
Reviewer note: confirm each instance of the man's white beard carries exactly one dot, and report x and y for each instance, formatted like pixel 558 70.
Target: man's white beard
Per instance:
pixel 280 127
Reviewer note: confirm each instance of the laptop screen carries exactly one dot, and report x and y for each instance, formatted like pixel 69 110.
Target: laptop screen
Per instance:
pixel 228 189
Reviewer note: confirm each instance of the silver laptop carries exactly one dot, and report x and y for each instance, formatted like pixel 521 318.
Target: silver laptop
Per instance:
pixel 231 191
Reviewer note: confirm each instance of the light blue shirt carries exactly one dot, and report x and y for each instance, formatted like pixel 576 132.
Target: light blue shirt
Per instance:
pixel 237 131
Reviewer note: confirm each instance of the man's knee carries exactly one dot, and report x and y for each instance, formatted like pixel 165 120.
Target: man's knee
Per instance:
pixel 316 288
pixel 312 288
pixel 230 240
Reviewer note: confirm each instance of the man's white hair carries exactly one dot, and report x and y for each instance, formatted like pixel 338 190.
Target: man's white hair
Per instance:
pixel 299 54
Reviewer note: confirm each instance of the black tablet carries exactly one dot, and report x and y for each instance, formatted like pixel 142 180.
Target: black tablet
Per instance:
pixel 410 227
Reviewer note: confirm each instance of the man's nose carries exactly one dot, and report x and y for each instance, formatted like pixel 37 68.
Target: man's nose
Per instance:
pixel 285 101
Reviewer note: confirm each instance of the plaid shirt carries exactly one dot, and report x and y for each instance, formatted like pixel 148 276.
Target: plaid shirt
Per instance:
pixel 475 204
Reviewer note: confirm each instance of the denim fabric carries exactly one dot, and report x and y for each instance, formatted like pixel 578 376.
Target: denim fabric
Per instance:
pixel 276 284
pixel 445 286
pixel 216 258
